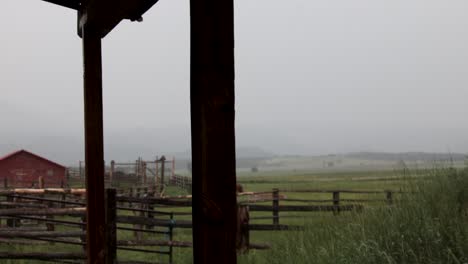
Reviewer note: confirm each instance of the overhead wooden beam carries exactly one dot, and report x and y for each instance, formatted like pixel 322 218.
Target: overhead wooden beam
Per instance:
pixel 94 144
pixel 213 137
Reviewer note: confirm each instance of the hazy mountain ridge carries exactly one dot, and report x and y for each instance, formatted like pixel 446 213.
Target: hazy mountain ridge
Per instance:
pixel 407 156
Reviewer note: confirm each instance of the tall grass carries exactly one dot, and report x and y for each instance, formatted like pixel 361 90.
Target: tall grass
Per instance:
pixel 429 224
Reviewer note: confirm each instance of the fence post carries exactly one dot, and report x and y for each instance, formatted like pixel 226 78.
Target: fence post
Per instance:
pixel 10 221
pixel 143 165
pixel 389 196
pixel 275 206
pixel 336 202
pixel 111 225
pixel 50 226
pixel 243 231
pixel 111 173
pixel 83 228
pixel 171 233
pixel 163 160
pixel 151 208
pixel 173 167
pixel 157 171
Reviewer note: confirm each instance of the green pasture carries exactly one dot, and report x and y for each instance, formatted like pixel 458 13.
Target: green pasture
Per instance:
pixel 378 233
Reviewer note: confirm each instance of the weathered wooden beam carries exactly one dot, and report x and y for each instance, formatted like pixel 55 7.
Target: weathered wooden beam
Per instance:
pixel 265 227
pixel 340 191
pixel 41 256
pixel 154 200
pixel 33 234
pixel 305 208
pixel 47 211
pixel 43 191
pixel 94 143
pixel 139 220
pixel 213 134
pixel 182 244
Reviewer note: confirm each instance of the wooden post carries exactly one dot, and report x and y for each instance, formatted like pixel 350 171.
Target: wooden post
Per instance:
pixel 143 171
pixel 80 169
pixel 163 161
pixel 213 135
pixel 5 183
pixel 151 207
pixel 173 168
pixel 275 206
pixel 171 237
pixel 389 196
pixel 336 202
pixel 243 236
pixel 111 173
pixel 83 238
pixel 50 226
pixel 94 144
pixel 41 182
pixel 111 225
pixel 157 171
pixel 11 221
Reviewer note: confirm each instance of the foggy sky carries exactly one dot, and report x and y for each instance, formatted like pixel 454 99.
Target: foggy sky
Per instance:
pixel 312 77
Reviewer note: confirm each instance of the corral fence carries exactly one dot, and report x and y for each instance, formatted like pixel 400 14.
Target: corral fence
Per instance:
pixel 338 202
pixel 138 221
pixel 43 217
pixel 182 182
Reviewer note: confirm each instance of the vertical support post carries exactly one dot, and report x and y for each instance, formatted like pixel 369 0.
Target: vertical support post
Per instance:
pixel 80 169
pixel 111 233
pixel 137 170
pixel 389 196
pixel 157 170
pixel 171 237
pixel 243 236
pixel 94 145
pixel 10 221
pixel 50 226
pixel 163 161
pixel 111 173
pixel 173 168
pixel 5 183
pixel 336 202
pixel 275 206
pixel 143 165
pixel 213 135
pixel 83 228
pixel 41 182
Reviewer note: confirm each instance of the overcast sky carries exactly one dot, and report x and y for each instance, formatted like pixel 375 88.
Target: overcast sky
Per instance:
pixel 312 77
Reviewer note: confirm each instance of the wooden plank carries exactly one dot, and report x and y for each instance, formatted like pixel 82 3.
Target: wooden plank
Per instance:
pixel 155 222
pixel 332 191
pixel 43 191
pixel 305 208
pixel 264 227
pixel 181 244
pixel 47 211
pixel 155 200
pixel 33 234
pixel 41 256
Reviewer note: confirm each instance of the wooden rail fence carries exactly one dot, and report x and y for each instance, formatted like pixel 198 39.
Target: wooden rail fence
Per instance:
pixel 134 211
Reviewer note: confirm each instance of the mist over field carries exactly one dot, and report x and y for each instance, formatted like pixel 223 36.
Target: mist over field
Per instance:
pixel 312 78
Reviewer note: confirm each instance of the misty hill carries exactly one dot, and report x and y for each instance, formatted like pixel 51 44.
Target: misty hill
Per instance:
pixel 407 156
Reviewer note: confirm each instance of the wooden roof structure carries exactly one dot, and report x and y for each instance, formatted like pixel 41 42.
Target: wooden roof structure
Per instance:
pixel 212 120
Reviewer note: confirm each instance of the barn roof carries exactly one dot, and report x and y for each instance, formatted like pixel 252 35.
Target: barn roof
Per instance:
pixel 29 153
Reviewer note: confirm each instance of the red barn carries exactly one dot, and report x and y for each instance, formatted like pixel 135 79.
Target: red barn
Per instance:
pixel 23 169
